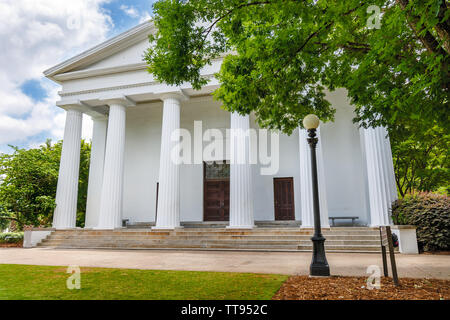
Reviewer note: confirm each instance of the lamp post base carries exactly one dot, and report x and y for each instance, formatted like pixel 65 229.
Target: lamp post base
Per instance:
pixel 319 265
pixel 319 271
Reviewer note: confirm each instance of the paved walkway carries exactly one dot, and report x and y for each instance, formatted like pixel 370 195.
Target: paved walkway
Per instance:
pixel 347 264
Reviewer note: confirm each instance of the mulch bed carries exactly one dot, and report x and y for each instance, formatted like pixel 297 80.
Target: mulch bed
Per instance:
pixel 354 288
pixel 439 253
pixel 11 245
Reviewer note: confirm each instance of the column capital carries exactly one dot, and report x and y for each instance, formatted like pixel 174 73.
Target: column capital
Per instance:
pixel 121 100
pixel 81 106
pixel 99 117
pixel 75 105
pixel 177 95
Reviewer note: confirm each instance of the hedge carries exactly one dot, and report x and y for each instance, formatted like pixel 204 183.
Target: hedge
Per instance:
pixel 11 237
pixel 430 213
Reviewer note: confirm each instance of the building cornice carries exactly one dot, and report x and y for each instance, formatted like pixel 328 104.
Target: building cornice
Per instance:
pixel 99 72
pixel 121 87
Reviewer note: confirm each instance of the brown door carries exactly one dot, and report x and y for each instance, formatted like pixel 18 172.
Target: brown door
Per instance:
pixel 284 198
pixel 217 200
pixel 216 192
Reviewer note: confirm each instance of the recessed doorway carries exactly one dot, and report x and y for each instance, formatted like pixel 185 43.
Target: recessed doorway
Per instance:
pixel 283 189
pixel 216 191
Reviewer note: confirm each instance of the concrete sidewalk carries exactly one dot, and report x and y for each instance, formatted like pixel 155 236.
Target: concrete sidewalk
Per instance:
pixel 346 264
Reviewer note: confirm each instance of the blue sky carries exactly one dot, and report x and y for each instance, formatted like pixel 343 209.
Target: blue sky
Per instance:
pixel 123 20
pixel 42 34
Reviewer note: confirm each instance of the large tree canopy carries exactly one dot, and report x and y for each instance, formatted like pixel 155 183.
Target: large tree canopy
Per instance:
pixel 28 180
pixel 281 55
pixel 421 159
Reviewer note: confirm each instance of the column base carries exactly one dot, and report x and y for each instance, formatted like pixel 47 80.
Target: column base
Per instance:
pixel 104 228
pixel 156 228
pixel 240 227
pixel 379 225
pixel 65 228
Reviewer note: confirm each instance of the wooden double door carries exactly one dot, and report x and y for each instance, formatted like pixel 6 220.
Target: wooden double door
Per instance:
pixel 216 205
pixel 216 194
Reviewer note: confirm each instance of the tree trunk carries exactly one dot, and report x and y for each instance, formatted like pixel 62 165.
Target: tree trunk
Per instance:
pixel 428 40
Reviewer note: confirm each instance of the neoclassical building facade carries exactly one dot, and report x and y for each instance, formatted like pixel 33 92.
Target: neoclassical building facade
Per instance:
pixel 133 176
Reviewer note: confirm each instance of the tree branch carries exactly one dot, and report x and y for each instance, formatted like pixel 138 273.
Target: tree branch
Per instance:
pixel 230 12
pixel 443 27
pixel 428 40
pixel 9 218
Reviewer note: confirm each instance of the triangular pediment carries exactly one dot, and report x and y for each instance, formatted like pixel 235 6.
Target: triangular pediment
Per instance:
pixel 125 49
pixel 131 55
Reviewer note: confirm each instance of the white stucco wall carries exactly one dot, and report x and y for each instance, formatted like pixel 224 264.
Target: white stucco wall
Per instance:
pixel 263 192
pixel 142 148
pixel 344 162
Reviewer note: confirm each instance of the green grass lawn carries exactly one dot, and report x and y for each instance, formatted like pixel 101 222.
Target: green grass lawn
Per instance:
pixel 49 283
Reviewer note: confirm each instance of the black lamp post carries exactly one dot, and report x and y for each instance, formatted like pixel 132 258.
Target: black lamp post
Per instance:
pixel 319 264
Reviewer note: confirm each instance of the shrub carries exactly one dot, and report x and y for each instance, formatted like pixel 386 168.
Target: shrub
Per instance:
pixel 11 237
pixel 430 213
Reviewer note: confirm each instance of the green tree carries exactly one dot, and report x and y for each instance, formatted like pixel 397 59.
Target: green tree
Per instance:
pixel 280 55
pixel 421 159
pixel 28 184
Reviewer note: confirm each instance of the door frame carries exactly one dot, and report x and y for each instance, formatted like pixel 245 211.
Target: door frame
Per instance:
pixel 204 189
pixel 274 198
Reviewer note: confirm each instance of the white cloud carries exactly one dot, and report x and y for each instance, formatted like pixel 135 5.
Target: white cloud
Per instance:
pixel 130 11
pixel 134 13
pixel 145 17
pixel 34 36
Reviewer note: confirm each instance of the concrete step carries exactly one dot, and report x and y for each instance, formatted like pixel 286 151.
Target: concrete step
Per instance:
pixel 262 238
pixel 220 224
pixel 184 246
pixel 223 230
pixel 202 242
pixel 219 237
pixel 375 248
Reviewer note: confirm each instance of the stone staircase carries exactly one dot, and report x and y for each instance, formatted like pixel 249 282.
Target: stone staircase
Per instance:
pixel 275 238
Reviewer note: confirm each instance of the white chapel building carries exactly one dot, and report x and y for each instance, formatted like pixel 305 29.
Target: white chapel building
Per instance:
pixel 133 177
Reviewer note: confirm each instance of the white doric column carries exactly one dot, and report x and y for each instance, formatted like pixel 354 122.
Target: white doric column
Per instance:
pixel 390 169
pixel 65 213
pixel 306 196
pixel 380 175
pixel 112 186
pixel 168 216
pixel 241 188
pixel 96 171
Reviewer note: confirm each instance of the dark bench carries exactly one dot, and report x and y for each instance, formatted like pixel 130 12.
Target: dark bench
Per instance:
pixel 343 218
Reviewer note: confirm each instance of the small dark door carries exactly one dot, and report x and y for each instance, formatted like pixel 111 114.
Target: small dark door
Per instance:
pixel 284 198
pixel 216 192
